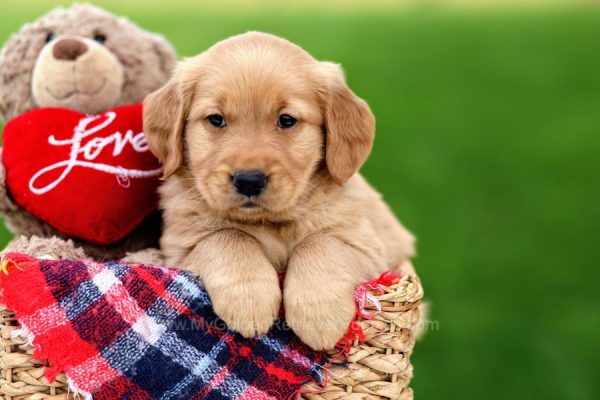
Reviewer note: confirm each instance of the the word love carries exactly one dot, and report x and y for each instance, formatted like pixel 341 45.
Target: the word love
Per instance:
pixel 85 155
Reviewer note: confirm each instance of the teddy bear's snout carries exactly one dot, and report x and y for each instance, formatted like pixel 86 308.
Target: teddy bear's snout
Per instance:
pixel 79 73
pixel 68 49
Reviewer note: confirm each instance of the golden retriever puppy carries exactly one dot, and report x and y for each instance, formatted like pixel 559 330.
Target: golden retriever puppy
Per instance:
pixel 261 145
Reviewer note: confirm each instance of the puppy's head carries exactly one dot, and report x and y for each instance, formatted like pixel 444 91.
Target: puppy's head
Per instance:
pixel 257 122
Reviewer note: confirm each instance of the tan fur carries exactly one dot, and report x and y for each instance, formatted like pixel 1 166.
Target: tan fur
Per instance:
pixel 318 220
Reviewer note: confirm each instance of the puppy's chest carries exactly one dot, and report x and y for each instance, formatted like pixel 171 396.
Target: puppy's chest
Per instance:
pixel 277 244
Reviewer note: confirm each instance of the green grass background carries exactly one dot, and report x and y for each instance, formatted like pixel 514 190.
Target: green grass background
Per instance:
pixel 488 147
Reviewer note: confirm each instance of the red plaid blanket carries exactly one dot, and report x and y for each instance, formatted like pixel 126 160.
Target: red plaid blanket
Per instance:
pixel 138 332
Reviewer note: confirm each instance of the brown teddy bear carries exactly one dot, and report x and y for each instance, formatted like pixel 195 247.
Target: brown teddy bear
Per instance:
pixel 85 59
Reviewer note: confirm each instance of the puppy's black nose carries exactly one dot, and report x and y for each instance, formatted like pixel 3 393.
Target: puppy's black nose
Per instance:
pixel 249 183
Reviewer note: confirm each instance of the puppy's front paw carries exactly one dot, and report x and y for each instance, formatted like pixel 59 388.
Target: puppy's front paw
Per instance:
pixel 248 307
pixel 320 318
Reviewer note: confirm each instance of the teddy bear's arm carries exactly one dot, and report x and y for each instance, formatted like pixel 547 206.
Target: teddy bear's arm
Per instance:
pixel 52 248
pixel 7 206
pixel 17 220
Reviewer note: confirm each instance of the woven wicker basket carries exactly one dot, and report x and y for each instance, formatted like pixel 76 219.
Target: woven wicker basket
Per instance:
pixel 378 369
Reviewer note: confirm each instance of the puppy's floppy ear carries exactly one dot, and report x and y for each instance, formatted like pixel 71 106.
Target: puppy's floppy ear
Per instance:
pixel 165 114
pixel 349 124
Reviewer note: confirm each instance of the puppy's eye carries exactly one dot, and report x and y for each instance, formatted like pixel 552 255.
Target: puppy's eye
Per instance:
pixel 216 120
pixel 100 38
pixel 50 37
pixel 286 121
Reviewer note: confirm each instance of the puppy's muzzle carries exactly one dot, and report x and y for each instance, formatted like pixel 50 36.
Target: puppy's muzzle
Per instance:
pixel 249 183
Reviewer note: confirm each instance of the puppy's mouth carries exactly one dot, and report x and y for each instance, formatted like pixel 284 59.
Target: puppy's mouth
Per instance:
pixel 249 205
pixel 64 96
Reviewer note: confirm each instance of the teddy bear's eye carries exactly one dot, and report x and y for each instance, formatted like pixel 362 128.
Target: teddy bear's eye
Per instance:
pixel 100 38
pixel 50 37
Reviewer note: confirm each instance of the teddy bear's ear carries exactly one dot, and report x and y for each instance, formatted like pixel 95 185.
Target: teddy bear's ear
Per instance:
pixel 166 55
pixel 165 114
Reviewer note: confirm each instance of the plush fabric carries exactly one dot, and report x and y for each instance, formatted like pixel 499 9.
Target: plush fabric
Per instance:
pixel 89 177
pixel 139 332
pixel 147 58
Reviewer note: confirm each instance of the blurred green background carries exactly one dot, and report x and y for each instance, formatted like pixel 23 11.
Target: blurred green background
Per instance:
pixel 488 148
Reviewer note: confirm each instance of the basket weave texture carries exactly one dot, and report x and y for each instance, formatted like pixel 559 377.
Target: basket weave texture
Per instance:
pixel 378 368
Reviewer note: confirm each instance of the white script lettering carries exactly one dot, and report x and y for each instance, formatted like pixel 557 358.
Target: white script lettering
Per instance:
pixel 84 155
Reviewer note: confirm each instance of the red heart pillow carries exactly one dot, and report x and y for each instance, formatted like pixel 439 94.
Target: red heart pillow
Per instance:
pixel 90 177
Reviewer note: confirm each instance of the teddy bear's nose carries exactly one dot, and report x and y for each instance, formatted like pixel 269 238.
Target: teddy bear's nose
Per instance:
pixel 68 49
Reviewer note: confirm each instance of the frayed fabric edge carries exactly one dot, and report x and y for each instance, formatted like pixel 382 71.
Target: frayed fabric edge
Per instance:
pixel 25 334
